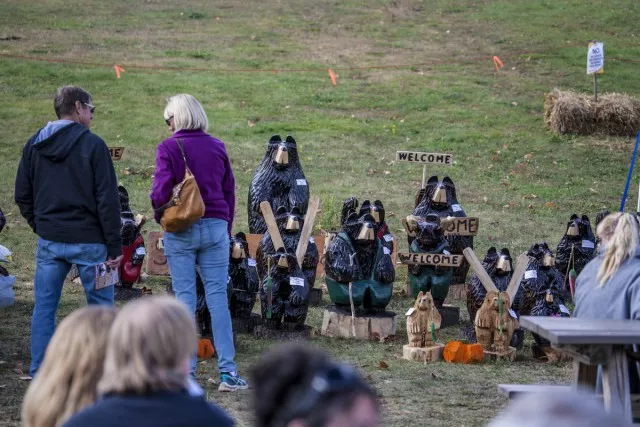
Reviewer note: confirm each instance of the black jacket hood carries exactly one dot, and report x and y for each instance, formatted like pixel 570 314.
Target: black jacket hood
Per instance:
pixel 58 146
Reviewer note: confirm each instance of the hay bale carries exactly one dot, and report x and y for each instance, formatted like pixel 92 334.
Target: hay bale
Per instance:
pixel 614 114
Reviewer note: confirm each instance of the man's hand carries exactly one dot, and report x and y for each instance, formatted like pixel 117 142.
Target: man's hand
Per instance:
pixel 114 262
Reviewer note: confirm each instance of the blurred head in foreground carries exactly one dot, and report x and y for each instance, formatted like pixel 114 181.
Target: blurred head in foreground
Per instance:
pixel 299 386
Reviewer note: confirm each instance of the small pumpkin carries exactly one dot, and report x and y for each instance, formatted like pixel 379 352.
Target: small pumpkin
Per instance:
pixel 459 352
pixel 205 349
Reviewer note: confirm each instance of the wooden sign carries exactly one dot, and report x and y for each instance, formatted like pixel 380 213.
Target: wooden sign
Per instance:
pixel 116 152
pixel 460 226
pixel 156 261
pixel 440 260
pixel 425 158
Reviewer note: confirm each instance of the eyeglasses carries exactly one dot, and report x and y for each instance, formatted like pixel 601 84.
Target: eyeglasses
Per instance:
pixel 92 108
pixel 168 121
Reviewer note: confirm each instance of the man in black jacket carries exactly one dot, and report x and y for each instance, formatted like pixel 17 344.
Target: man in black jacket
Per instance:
pixel 66 189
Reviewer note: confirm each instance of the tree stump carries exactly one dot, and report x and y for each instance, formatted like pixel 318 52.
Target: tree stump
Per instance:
pixel 422 354
pixel 338 324
pixel 509 355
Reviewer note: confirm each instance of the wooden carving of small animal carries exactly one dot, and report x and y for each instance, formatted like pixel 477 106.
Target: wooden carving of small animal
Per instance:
pixel 420 319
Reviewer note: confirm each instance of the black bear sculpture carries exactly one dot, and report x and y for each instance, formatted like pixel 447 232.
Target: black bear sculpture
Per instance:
pixel 599 217
pixel 499 266
pixel 577 246
pixel 243 278
pixel 133 249
pixel 540 277
pixel 284 292
pixel 356 255
pixel 439 198
pixel 376 210
pixel 279 180
pixel 3 221
pixel 426 278
pixel 290 224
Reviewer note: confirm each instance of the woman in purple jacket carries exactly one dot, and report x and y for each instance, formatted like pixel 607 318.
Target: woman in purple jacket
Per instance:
pixel 206 243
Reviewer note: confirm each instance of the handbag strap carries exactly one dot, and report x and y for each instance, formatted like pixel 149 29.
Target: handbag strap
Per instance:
pixel 184 156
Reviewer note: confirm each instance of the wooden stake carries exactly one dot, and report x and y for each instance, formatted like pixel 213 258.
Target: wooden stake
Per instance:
pixel 479 270
pixel 514 283
pixel 307 229
pixel 424 176
pixel 272 226
pixel 595 86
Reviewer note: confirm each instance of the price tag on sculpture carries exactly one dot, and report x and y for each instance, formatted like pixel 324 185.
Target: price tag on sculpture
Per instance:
pixel 440 260
pixel 386 251
pixel 141 251
pixel 512 314
pixel 425 158
pixel 296 281
pixel 410 312
pixel 388 238
pixel 116 152
pixel 311 240
pixel 530 274
pixel 456 208
pixel 301 181
pixel 446 252
pixel 106 276
pixel 463 226
pixel 564 309
pixel 588 244
pixel 251 262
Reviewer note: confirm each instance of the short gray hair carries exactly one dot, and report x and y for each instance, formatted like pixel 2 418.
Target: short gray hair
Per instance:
pixel 567 409
pixel 64 103
pixel 187 113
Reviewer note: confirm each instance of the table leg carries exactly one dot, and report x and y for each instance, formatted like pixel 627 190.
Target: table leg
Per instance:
pixel 585 376
pixel 615 383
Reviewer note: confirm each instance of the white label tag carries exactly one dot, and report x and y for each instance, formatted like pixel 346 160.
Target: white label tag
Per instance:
pixel 386 251
pixel 564 309
pixel 512 314
pixel 141 251
pixel 301 181
pixel 311 240
pixel 588 244
pixel 106 276
pixel 411 310
pixel 456 208
pixel 446 252
pixel 530 274
pixel 296 281
pixel 251 262
pixel 388 238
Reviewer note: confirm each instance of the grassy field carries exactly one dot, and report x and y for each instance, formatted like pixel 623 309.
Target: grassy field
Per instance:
pixel 412 75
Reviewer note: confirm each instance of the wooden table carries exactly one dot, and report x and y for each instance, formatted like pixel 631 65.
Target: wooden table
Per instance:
pixel 591 343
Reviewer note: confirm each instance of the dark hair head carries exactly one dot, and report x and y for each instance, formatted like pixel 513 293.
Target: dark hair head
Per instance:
pixel 283 383
pixel 66 98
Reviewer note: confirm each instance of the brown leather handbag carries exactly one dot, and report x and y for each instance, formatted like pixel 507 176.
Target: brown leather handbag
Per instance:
pixel 186 206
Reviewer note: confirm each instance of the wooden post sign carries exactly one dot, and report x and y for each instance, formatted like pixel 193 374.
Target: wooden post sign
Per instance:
pixel 595 63
pixel 440 260
pixel 116 152
pixel 459 226
pixel 425 159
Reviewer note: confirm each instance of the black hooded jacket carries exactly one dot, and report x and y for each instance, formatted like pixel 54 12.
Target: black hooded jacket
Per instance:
pixel 66 188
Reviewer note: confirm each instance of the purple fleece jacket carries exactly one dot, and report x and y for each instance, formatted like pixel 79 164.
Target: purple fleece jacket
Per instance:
pixel 208 161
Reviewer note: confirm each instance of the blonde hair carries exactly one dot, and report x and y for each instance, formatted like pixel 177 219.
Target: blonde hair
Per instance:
pixel 187 113
pixel 150 341
pixel 67 380
pixel 620 231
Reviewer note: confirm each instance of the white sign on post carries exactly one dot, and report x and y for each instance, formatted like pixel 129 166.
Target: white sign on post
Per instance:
pixel 595 58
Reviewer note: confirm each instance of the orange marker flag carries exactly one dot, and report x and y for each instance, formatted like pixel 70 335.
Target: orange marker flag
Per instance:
pixel 334 79
pixel 498 63
pixel 118 70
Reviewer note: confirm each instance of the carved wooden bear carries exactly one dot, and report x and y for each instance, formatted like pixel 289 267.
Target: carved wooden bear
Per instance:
pixel 577 246
pixel 278 180
pixel 494 323
pixel 357 256
pixel 284 293
pixel 499 266
pixel 439 198
pixel 427 278
pixel 243 278
pixel 540 277
pixel 422 321
pixel 290 224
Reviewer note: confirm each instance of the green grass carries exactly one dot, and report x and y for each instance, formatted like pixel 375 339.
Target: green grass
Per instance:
pixel 447 100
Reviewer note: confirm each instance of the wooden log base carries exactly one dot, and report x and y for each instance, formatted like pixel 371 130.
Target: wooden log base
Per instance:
pixel 450 315
pixel 246 325
pixel 284 333
pixel 457 292
pixel 315 297
pixel 422 354
pixel 337 324
pixel 509 355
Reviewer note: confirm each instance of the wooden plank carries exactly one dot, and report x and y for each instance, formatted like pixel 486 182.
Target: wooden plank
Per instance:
pixel 576 331
pixel 615 384
pixel 156 261
pixel 272 226
pixel 460 226
pixel 441 260
pixel 424 158
pixel 514 283
pixel 511 390
pixel 584 376
pixel 479 270
pixel 307 229
pixel 116 152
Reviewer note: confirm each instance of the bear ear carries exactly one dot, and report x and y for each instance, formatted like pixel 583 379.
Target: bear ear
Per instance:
pixel 123 190
pixel 281 210
pixel 505 251
pixel 275 139
pixel 492 251
pixel 585 218
pixel 433 180
pixel 573 216
pixel 420 294
pixel 290 140
pixel 365 207
pixel 378 204
pixel 353 217
pixel 447 181
pixel 241 236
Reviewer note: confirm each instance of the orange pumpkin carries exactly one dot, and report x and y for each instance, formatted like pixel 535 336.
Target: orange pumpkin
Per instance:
pixel 205 349
pixel 458 352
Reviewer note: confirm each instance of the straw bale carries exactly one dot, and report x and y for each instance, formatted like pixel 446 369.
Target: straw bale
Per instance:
pixel 615 114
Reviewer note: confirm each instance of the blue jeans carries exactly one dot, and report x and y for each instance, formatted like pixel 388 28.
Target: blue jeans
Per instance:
pixel 53 262
pixel 205 243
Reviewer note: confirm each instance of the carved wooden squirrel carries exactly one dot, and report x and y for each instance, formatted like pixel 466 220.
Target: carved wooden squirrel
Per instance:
pixel 420 319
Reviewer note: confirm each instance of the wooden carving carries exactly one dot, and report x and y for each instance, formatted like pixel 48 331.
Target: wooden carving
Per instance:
pixel 422 320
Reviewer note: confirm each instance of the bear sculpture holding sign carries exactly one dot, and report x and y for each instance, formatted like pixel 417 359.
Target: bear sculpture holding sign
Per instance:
pixel 577 246
pixel 357 256
pixel 243 278
pixel 439 198
pixel 278 180
pixel 427 278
